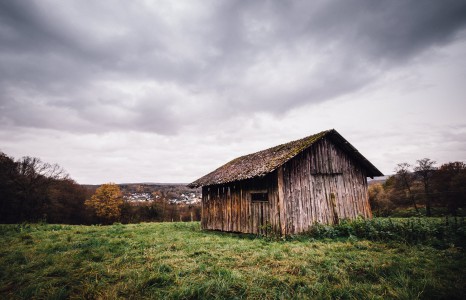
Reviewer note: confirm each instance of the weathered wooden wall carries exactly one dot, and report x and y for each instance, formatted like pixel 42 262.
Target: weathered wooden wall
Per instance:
pixel 322 185
pixel 229 207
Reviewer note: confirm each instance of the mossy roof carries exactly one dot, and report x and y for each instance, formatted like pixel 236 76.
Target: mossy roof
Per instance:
pixel 266 161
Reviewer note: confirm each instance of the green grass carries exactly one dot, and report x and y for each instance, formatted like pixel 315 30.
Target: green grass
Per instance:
pixel 179 261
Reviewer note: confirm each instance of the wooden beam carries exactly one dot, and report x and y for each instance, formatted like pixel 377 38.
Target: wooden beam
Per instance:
pixel 281 201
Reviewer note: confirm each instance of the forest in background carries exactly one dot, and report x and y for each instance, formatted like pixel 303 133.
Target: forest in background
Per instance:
pixel 35 191
pixel 421 189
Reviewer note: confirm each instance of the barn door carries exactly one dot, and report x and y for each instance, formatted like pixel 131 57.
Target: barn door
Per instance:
pixel 327 197
pixel 260 211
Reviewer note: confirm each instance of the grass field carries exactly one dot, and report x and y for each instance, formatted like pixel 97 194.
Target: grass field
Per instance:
pixel 179 261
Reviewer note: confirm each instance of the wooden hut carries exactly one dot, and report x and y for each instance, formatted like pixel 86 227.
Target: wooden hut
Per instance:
pixel 286 189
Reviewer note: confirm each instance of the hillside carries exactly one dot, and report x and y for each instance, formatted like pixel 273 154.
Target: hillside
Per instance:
pixel 179 261
pixel 176 193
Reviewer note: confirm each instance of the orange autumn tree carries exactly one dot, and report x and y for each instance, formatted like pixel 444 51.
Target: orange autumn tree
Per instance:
pixel 106 202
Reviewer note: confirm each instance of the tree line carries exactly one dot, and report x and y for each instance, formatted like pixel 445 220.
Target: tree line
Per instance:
pixel 422 187
pixel 32 190
pixel 35 191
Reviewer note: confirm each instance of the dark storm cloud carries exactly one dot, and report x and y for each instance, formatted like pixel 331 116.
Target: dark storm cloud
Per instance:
pixel 99 66
pixel 390 30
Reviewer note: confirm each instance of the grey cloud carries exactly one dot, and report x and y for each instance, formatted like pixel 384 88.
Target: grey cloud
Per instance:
pixel 394 30
pixel 235 57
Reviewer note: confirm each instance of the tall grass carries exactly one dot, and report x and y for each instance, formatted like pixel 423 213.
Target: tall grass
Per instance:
pixel 438 232
pixel 179 261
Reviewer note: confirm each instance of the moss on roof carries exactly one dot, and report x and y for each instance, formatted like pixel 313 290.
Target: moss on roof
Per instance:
pixel 266 161
pixel 259 163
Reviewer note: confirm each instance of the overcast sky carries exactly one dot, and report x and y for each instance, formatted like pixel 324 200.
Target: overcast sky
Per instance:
pixel 167 91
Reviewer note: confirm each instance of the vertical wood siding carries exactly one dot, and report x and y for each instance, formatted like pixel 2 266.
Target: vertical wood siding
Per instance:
pixel 323 185
pixel 228 207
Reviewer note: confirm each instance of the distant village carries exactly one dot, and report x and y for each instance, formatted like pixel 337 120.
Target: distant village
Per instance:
pixel 188 198
pixel 140 194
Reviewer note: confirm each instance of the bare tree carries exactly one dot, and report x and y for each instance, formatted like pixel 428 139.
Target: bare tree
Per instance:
pixel 405 180
pixel 33 180
pixel 425 170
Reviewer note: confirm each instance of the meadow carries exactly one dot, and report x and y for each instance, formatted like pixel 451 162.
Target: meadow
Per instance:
pixel 378 259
